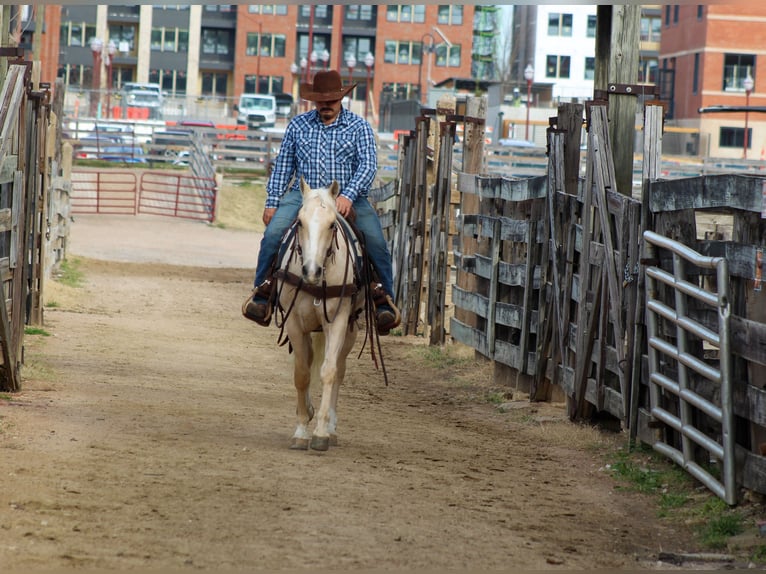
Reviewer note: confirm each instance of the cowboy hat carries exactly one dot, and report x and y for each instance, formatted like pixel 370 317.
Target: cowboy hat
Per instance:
pixel 327 87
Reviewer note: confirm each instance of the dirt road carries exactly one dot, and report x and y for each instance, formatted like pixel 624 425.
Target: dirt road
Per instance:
pixel 153 427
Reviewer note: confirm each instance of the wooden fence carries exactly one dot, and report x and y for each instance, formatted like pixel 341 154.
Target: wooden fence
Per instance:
pixel 30 225
pixel 545 274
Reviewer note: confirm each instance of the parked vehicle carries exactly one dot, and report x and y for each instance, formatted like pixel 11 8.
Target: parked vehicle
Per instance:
pixel 142 104
pixel 284 104
pixel 124 154
pixel 256 111
pixel 166 145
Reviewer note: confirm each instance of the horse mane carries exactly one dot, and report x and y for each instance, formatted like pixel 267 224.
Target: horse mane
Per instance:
pixel 324 196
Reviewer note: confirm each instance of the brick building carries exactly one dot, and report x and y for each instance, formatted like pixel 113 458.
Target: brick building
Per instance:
pixel 707 53
pixel 219 51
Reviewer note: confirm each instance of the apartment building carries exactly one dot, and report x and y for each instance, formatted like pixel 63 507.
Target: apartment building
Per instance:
pixel 218 51
pixel 711 55
pixel 558 43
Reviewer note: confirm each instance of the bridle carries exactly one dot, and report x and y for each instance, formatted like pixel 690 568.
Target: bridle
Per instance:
pixel 349 286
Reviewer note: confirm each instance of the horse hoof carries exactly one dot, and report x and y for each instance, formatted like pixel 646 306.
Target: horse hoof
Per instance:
pixel 299 444
pixel 333 440
pixel 320 442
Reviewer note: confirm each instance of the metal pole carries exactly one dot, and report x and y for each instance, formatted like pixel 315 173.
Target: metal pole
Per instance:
pixel 529 103
pixel 747 105
pixel 109 86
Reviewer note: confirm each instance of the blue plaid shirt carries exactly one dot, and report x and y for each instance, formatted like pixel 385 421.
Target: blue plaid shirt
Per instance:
pixel 344 151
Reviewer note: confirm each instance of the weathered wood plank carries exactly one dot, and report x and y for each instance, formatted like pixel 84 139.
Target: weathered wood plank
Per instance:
pixel 732 191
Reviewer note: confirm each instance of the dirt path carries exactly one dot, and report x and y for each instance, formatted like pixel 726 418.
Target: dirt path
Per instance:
pixel 153 427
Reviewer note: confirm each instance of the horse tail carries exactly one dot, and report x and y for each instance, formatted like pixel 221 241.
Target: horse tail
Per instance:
pixel 317 344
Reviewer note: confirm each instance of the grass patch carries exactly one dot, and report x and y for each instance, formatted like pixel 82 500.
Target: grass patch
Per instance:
pixel 36 331
pixel 717 530
pixel 759 554
pixel 5 397
pixel 679 497
pixel 52 305
pixel 240 204
pixel 443 358
pixel 69 273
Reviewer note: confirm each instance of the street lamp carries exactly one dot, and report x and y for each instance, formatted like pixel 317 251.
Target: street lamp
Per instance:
pixel 96 47
pixel 313 58
pixel 529 75
pixel 430 50
pixel 369 62
pixel 325 57
pixel 304 63
pixel 111 50
pixel 350 64
pixel 295 70
pixel 748 83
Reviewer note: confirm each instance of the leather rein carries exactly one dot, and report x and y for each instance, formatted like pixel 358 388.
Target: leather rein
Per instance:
pixel 349 288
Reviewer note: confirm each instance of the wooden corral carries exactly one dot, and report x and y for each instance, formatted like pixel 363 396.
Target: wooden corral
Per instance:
pixel 549 270
pixel 32 235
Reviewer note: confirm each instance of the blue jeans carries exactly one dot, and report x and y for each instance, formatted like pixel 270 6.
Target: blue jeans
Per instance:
pixel 366 221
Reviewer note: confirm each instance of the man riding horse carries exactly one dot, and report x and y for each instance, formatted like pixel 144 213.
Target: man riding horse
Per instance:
pixel 326 144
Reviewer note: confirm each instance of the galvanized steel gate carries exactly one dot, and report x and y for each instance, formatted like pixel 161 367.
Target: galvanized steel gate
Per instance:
pixel 673 368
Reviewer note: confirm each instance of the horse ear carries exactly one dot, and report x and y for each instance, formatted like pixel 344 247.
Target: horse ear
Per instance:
pixel 304 186
pixel 334 189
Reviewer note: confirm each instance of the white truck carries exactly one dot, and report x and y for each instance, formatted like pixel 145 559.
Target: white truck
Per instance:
pixel 256 111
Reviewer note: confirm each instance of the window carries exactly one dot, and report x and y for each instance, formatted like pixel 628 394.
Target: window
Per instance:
pixel 396 52
pixel 271 45
pixel 557 66
pixel 675 14
pixel 559 24
pixel 359 12
pixel 667 15
pixel 320 11
pixel 406 13
pixel 124 37
pixel 214 84
pixel 169 40
pixel 448 56
pixel 592 18
pixel 172 81
pixel 320 43
pixel 358 46
pixel 735 70
pixel 264 84
pixel 277 9
pixel 220 8
pixel 735 137
pixel 650 28
pixel 450 14
pixel 647 70
pixel 77 33
pixel 700 11
pixel 216 42
pixel 590 68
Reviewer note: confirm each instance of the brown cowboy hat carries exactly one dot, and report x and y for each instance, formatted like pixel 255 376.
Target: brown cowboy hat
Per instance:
pixel 327 87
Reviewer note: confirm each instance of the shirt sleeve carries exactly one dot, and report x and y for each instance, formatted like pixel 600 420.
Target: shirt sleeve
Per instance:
pixel 364 175
pixel 282 169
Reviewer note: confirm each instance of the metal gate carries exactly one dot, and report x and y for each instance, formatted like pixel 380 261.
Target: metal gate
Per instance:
pixel 177 195
pixel 691 316
pixel 107 192
pixel 158 193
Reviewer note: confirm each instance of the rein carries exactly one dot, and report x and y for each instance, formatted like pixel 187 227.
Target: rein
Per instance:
pixel 355 279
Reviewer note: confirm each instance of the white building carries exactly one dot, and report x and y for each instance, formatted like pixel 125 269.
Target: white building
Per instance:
pixel 559 42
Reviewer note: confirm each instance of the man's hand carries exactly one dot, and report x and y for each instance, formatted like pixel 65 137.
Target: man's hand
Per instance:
pixel 343 205
pixel 268 213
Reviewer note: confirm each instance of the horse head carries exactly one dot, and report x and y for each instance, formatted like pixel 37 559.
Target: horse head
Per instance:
pixel 316 229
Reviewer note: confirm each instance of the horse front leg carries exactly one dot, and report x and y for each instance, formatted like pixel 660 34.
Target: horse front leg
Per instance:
pixel 304 411
pixel 331 373
pixel 339 378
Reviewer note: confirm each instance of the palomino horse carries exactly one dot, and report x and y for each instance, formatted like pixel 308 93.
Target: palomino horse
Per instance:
pixel 320 292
